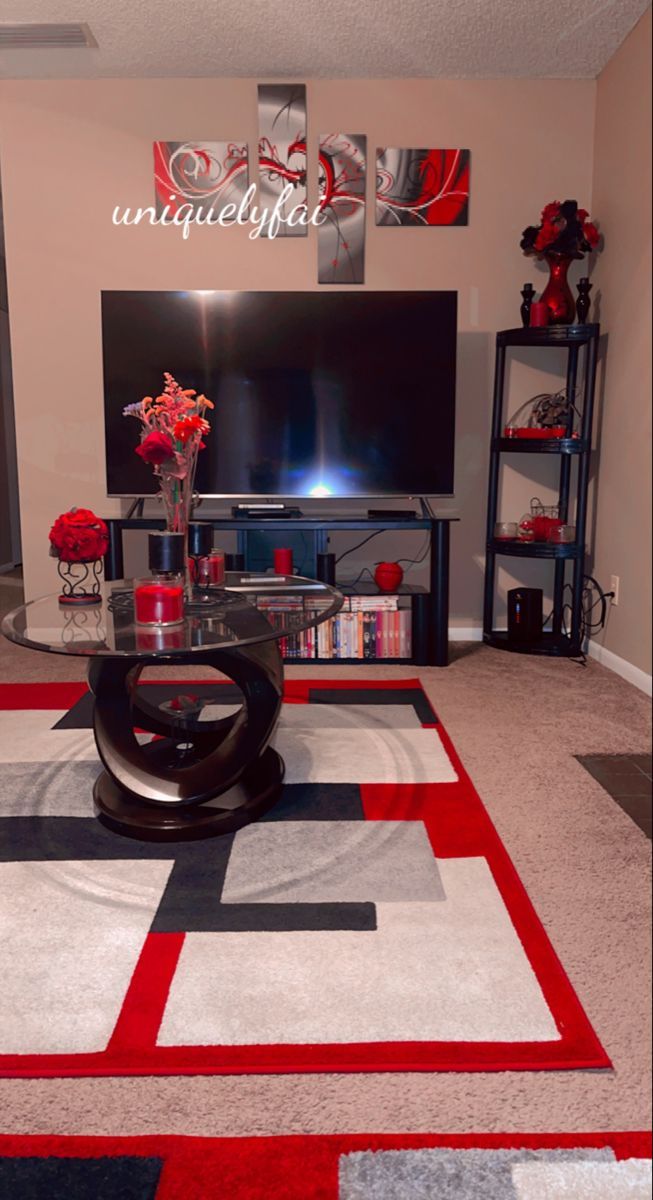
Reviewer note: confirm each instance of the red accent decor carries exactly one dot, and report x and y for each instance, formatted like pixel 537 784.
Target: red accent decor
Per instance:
pixel 388 576
pixel 156 604
pixel 534 431
pixel 539 313
pixel 283 561
pixel 457 824
pixel 290 1167
pixel 216 568
pixel 557 296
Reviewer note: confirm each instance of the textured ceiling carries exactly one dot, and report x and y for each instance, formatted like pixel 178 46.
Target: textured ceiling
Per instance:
pixel 327 38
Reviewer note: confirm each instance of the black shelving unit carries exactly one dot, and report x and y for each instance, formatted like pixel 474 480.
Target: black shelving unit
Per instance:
pixel 430 605
pixel 577 340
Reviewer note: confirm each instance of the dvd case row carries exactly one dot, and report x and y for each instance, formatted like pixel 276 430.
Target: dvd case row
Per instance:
pixel 364 633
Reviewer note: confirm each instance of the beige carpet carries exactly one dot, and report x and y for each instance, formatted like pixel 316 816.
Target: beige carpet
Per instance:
pixel 517 723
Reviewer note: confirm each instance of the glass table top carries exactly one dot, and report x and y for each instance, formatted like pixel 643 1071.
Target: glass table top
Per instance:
pixel 249 609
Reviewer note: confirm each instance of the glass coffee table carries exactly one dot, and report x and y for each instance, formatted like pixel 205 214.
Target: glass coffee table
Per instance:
pixel 199 773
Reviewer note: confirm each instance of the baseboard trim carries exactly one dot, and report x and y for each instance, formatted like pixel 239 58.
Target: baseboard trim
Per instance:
pixel 465 633
pixel 620 666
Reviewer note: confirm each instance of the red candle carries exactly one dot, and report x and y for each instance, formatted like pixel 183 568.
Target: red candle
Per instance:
pixel 539 314
pixel 283 561
pixel 216 568
pixel 158 604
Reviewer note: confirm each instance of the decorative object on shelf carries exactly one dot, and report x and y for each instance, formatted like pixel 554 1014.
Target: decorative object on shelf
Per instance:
pixel 159 597
pixel 79 540
pixel 539 314
pixel 583 287
pixel 200 177
pixel 282 557
pixel 528 292
pixel 388 576
pixel 200 545
pixel 506 531
pixel 341 234
pixel 562 535
pixel 538 524
pixel 173 429
pixel 564 234
pixel 282 151
pixel 547 415
pixel 216 567
pixel 422 187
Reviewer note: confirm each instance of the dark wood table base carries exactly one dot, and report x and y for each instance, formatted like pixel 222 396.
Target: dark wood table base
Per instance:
pixel 198 778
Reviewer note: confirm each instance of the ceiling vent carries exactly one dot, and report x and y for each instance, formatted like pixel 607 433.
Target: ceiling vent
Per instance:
pixel 57 36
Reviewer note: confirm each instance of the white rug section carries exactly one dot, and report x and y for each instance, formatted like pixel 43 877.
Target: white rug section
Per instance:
pixel 332 716
pixel 70 936
pixel 627 1180
pixel 363 747
pixel 28 736
pixel 451 971
pixel 285 862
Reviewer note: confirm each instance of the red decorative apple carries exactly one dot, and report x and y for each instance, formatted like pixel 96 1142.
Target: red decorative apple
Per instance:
pixel 388 576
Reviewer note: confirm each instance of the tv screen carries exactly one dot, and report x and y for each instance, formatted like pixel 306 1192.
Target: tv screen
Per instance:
pixel 315 393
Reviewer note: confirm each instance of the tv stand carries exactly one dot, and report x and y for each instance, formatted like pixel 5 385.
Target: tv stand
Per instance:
pixel 430 605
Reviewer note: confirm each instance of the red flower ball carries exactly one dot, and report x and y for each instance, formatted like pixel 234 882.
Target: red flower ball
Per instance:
pixel 156 448
pixel 79 536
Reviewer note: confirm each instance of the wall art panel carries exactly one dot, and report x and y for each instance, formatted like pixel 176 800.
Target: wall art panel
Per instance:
pixel 341 236
pixel 282 151
pixel 422 187
pixel 206 175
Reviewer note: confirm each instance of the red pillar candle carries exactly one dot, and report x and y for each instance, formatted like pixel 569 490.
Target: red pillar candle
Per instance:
pixel 283 560
pixel 539 314
pixel 158 602
pixel 216 568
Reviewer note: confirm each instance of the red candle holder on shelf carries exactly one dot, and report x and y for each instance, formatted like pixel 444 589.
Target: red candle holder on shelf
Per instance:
pixel 282 556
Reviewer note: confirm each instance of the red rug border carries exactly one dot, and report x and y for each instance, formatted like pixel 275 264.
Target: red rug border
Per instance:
pixel 289 1166
pixel 135 1032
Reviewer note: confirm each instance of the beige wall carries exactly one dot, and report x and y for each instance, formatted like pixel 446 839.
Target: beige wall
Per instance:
pixel 72 150
pixel 622 279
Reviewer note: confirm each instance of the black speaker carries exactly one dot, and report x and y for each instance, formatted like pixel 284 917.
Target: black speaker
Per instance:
pixel 326 568
pixel 525 614
pixel 234 562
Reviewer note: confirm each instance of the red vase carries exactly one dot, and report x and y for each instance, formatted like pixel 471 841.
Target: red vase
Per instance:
pixel 388 576
pixel 557 293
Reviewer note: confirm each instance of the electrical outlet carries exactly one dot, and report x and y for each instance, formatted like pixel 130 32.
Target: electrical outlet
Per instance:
pixel 614 587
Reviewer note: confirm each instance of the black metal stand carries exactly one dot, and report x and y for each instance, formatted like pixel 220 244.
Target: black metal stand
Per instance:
pixel 198 778
pixel 430 608
pixel 573 338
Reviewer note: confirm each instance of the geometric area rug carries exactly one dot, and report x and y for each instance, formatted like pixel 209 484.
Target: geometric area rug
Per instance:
pixel 577 1166
pixel 371 921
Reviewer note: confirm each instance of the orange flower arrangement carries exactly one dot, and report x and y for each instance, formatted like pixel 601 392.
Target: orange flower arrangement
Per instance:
pixel 174 427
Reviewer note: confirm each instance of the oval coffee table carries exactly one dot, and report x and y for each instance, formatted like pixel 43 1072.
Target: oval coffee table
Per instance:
pixel 202 773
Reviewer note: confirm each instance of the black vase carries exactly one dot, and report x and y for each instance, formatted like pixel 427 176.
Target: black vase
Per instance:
pixel 584 288
pixel 528 291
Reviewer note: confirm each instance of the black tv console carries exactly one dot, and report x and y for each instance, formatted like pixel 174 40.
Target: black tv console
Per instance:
pixel 430 605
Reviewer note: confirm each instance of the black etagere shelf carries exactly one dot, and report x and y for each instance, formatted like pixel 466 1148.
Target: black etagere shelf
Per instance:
pixel 581 343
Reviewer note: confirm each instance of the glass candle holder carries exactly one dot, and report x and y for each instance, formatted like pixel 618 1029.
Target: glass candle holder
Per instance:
pixel 216 566
pixel 159 599
pixel 563 535
pixel 505 531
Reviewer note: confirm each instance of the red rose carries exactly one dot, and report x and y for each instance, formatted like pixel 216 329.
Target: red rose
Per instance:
pixel 156 448
pixel 550 212
pixel 582 215
pixel 591 233
pixel 79 535
pixel 548 234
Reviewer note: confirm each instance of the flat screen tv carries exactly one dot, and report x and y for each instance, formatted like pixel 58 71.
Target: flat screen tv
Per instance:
pixel 316 393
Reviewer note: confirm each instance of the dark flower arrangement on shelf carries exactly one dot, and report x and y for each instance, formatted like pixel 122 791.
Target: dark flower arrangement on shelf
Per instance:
pixel 564 229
